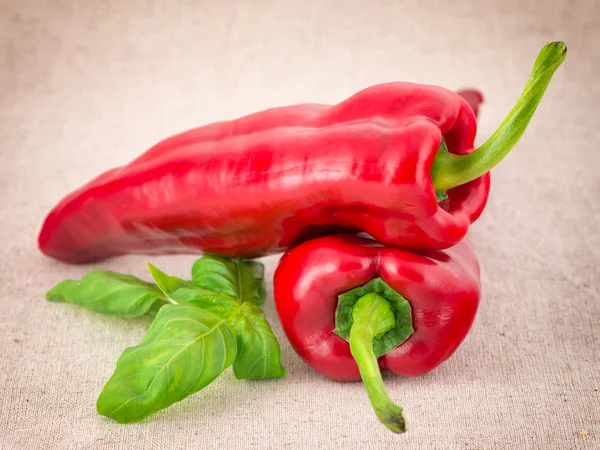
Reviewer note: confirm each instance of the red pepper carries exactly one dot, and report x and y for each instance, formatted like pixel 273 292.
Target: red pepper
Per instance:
pixel 400 311
pixel 376 162
pixel 473 97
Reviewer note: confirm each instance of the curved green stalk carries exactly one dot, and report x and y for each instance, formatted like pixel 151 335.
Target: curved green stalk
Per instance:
pixel 449 170
pixel 373 317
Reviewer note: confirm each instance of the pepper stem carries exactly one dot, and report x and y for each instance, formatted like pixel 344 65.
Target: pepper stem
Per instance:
pixel 449 170
pixel 373 317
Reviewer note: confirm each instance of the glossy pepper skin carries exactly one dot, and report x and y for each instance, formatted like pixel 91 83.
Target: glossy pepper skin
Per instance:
pixel 265 182
pixel 442 287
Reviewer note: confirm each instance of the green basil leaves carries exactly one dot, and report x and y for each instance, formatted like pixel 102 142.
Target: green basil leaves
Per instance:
pixel 239 279
pixel 185 350
pixel 109 293
pixel 201 327
pixel 258 354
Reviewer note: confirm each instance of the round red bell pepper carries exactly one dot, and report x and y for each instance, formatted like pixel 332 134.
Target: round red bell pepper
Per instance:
pixel 351 307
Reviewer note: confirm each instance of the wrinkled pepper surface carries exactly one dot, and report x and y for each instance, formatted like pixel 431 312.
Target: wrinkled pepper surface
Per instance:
pixel 351 307
pixel 396 160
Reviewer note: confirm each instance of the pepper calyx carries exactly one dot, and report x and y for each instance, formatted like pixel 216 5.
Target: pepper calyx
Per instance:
pixel 400 307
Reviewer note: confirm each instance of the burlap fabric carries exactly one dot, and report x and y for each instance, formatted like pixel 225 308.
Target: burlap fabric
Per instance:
pixel 85 86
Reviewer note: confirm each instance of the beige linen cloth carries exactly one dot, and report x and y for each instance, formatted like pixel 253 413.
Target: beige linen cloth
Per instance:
pixel 87 85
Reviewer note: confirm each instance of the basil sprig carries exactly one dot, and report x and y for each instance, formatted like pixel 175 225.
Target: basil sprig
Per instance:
pixel 201 327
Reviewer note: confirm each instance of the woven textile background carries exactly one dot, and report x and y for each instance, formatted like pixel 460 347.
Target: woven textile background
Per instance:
pixel 87 85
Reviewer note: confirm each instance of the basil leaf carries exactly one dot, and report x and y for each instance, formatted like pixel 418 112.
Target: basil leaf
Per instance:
pixel 108 292
pixel 258 352
pixel 219 304
pixel 184 350
pixel 167 283
pixel 183 292
pixel 240 279
pixel 153 311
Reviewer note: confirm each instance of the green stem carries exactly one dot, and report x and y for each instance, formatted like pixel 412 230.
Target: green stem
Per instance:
pixel 373 317
pixel 451 170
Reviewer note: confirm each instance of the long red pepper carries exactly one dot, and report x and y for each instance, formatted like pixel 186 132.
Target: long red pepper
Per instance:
pixel 351 307
pixel 377 162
